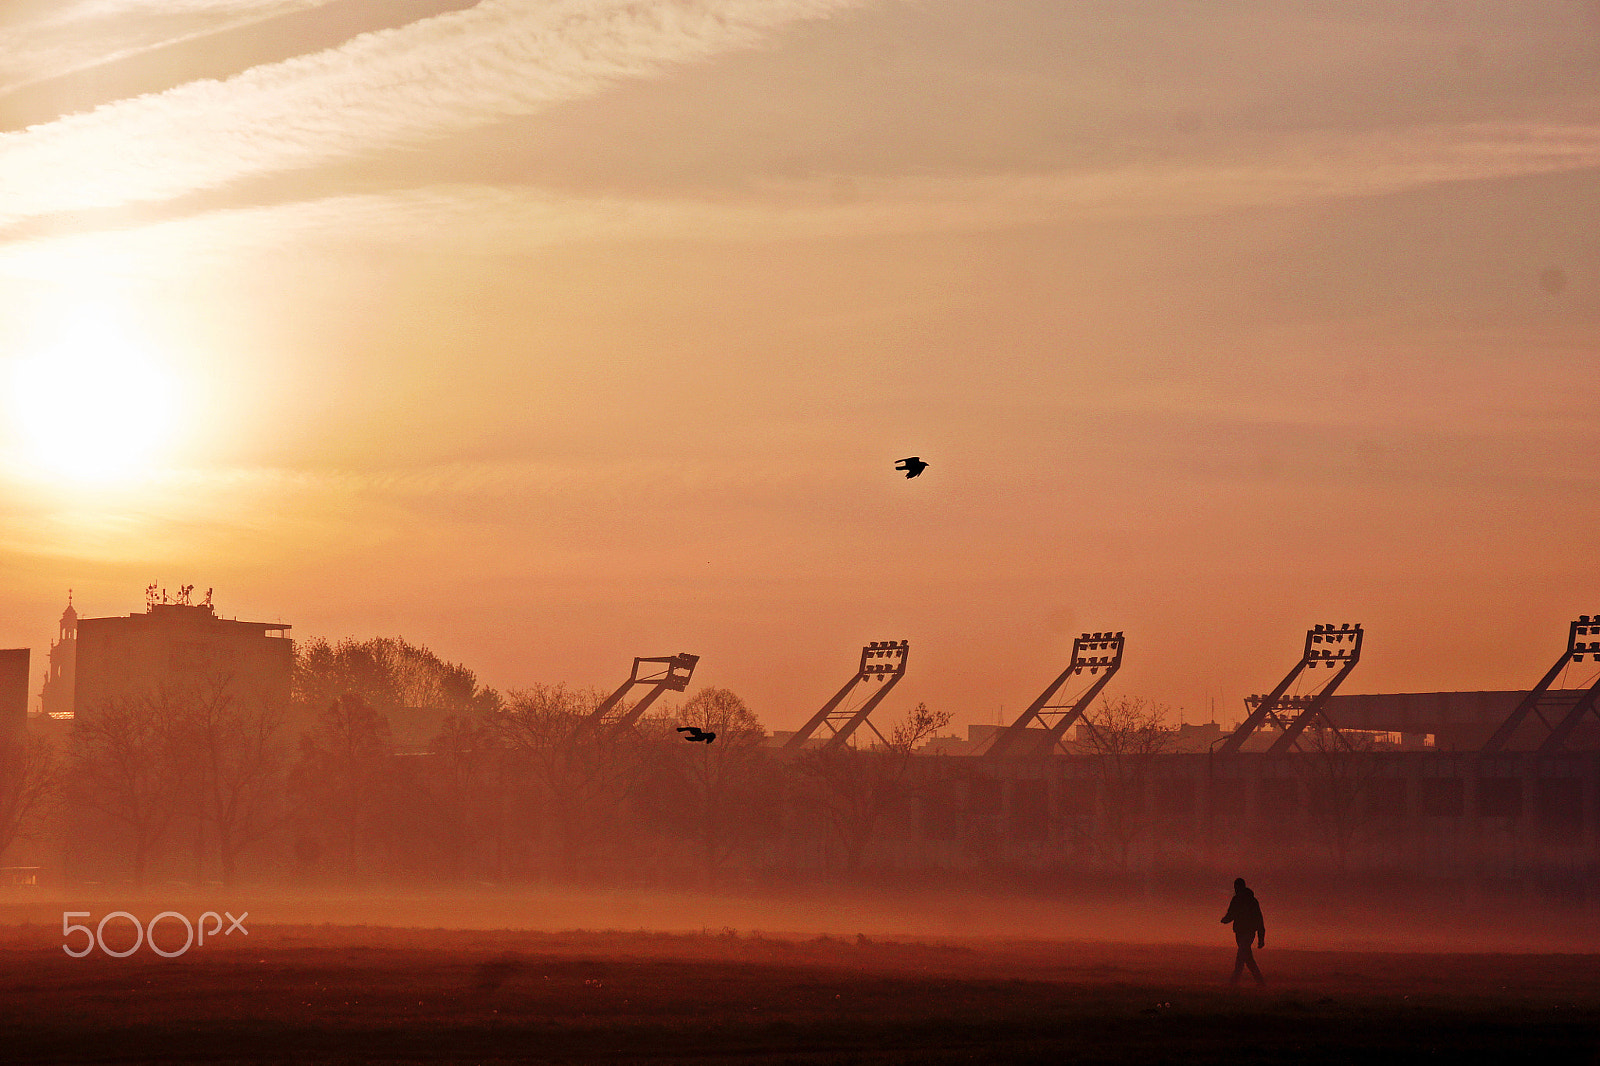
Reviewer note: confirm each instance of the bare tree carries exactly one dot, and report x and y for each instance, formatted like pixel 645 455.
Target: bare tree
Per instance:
pixel 1124 734
pixel 230 750
pixel 718 783
pixel 1336 767
pixel 466 786
pixel 340 771
pixel 29 785
pixel 581 776
pixel 855 787
pixel 126 761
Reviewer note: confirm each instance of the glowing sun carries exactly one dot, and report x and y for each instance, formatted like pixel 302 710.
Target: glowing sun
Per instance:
pixel 93 406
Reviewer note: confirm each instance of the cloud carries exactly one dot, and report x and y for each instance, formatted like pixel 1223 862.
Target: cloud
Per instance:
pixel 479 218
pixel 385 90
pixel 90 9
pixel 66 38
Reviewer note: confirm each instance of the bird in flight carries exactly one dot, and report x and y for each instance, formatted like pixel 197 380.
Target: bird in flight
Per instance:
pixel 696 734
pixel 912 466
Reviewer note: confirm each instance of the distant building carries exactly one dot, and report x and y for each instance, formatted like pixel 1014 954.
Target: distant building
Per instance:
pixel 1458 721
pixel 55 701
pixel 13 689
pixel 97 660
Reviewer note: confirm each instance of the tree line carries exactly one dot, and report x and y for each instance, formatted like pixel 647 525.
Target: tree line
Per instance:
pixel 199 783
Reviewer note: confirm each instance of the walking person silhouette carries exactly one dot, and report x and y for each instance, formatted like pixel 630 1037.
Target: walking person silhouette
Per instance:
pixel 1245 914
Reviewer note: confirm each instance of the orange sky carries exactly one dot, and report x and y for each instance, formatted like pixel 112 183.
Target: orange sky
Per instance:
pixel 554 332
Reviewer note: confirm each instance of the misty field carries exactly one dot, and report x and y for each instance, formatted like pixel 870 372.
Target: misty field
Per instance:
pixel 339 993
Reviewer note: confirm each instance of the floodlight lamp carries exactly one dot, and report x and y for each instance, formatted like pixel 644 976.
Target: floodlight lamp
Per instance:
pixel 1094 669
pixel 1577 656
pixel 1119 634
pixel 1583 618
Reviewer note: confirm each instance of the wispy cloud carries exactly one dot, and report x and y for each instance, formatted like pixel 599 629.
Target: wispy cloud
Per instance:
pixel 71 37
pixel 89 9
pixel 476 218
pixel 389 89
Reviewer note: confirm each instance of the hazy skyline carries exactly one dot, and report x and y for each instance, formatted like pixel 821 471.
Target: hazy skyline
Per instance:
pixel 551 334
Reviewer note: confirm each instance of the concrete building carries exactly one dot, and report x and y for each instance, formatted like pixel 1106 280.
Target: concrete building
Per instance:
pixel 13 689
pixel 1458 721
pixel 172 644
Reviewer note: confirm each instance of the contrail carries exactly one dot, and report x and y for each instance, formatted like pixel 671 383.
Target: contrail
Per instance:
pixel 391 88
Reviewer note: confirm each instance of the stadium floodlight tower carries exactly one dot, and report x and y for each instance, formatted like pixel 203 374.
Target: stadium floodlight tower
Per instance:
pixel 1278 705
pixel 1100 654
pixel 1580 645
pixel 663 673
pixel 882 662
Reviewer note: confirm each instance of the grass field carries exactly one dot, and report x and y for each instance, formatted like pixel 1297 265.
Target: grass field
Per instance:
pixel 346 993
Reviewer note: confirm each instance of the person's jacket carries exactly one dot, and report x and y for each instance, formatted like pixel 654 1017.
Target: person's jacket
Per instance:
pixel 1245 913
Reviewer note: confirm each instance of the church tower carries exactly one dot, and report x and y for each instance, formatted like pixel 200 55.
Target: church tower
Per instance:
pixel 61 680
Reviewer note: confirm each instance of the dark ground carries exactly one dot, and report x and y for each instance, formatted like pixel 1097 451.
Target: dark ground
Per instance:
pixel 320 993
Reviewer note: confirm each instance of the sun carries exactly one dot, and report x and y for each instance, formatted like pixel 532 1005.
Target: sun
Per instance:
pixel 92 406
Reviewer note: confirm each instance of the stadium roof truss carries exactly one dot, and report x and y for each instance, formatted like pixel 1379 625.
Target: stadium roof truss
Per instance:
pixel 883 664
pixel 1039 729
pixel 663 673
pixel 1334 647
pixel 1583 642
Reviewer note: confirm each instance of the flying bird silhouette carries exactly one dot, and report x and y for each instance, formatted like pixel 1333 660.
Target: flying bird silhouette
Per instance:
pixel 696 734
pixel 912 466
